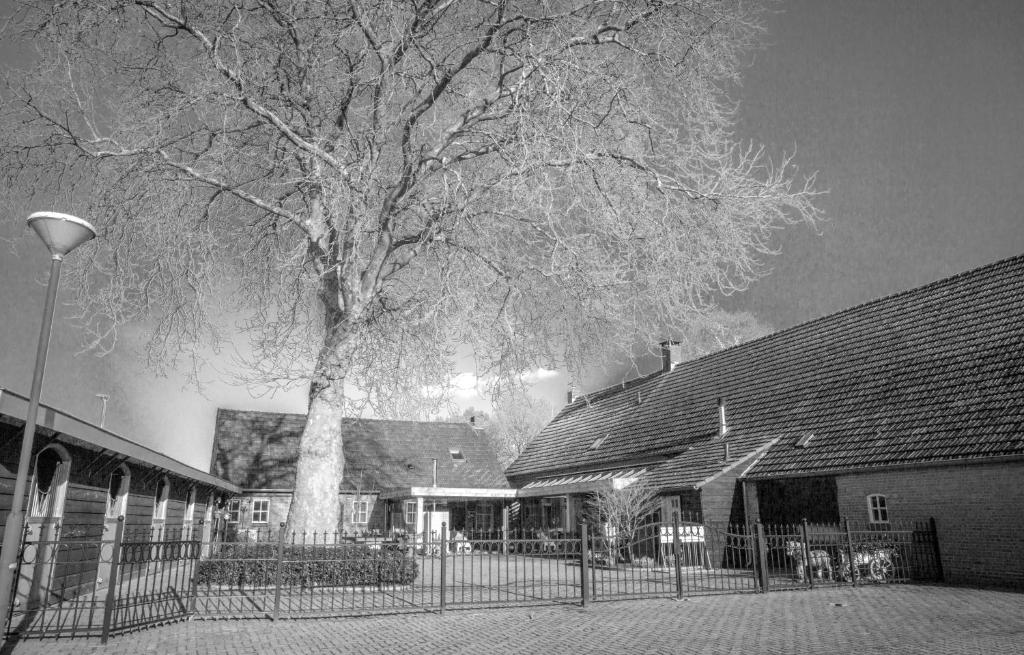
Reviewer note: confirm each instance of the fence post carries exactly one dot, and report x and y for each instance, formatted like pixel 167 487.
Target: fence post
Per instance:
pixel 808 569
pixel 933 528
pixel 115 565
pixel 849 551
pixel 584 563
pixel 678 554
pixel 195 552
pixel 762 555
pixel 280 571
pixel 444 561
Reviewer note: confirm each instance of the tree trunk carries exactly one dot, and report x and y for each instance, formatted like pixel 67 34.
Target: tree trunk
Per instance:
pixel 316 505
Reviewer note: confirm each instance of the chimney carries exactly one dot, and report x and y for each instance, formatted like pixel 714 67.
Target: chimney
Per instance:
pixel 723 427
pixel 472 421
pixel 725 451
pixel 570 396
pixel 671 354
pixel 435 471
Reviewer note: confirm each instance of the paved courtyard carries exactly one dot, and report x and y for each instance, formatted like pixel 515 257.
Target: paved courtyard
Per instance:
pixel 905 619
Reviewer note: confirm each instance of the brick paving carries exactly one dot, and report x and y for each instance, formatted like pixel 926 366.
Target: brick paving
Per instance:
pixel 907 619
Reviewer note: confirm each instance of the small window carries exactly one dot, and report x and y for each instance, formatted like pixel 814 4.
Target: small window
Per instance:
pixel 804 440
pixel 878 512
pixel 410 513
pixel 260 510
pixel 360 511
pixel 190 506
pixel 50 484
pixel 117 492
pixel 234 510
pixel 163 488
pixel 457 455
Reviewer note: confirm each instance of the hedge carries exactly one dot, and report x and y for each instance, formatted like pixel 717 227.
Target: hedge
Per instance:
pixel 307 566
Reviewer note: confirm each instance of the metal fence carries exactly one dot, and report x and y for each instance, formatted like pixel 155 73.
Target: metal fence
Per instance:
pixel 101 580
pixel 81 584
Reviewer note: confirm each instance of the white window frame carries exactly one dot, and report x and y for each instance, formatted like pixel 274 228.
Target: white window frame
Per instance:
pixel 261 508
pixel 234 510
pixel 50 504
pixel 410 513
pixel 360 510
pixel 878 509
pixel 117 504
pixel 163 492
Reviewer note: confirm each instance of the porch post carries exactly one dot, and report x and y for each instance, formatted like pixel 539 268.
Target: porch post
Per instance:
pixel 420 527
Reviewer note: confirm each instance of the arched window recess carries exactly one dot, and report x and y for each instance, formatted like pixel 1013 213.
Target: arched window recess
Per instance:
pixel 49 482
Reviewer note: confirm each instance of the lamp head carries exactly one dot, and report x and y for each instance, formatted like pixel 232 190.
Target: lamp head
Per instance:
pixel 61 233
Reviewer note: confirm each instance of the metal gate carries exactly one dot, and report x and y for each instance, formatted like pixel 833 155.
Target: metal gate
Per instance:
pixel 72 581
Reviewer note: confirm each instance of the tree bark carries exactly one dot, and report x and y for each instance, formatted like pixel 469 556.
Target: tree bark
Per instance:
pixel 316 505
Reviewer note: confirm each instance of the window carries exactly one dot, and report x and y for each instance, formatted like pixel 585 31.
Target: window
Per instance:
pixel 260 510
pixel 485 516
pixel 190 506
pixel 877 510
pixel 360 511
pixel 50 484
pixel 234 510
pixel 410 513
pixel 457 455
pixel 117 492
pixel 163 488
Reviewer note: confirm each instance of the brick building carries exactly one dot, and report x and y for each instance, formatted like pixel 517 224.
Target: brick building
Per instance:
pixel 905 408
pixel 400 476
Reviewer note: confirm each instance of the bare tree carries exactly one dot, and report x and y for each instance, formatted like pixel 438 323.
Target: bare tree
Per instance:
pixel 624 512
pixel 517 418
pixel 359 185
pixel 718 330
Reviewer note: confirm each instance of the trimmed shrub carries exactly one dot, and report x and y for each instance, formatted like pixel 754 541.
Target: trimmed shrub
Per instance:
pixel 343 565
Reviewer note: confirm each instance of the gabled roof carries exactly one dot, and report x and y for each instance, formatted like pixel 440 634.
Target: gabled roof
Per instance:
pixel 928 375
pixel 258 450
pixel 69 429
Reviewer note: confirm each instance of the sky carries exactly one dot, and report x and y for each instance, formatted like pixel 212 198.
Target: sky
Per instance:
pixel 910 113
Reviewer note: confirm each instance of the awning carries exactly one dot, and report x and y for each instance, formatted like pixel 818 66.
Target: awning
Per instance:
pixel 452 493
pixel 581 483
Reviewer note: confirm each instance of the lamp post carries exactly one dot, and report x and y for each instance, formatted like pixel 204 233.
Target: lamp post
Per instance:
pixel 61 233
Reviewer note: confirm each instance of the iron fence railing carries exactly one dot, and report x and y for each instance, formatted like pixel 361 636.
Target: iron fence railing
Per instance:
pixel 73 582
pixel 101 580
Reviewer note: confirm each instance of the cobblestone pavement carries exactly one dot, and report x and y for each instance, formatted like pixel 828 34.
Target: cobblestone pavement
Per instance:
pixel 906 619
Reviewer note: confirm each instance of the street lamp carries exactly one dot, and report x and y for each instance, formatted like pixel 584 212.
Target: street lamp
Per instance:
pixel 61 233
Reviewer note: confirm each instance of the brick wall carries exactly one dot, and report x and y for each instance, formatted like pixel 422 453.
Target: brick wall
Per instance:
pixel 280 501
pixel 979 511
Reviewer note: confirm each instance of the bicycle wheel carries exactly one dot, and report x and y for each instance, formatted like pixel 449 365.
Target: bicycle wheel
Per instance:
pixel 882 569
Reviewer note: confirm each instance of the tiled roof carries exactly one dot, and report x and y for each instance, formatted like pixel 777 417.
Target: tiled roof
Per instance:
pixel 927 375
pixel 258 450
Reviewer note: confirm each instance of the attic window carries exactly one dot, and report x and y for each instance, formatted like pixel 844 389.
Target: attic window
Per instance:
pixel 457 455
pixel 804 440
pixel 597 442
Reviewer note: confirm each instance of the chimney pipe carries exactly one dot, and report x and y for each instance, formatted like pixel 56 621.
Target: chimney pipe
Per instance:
pixel 725 451
pixel 570 396
pixel 435 472
pixel 671 354
pixel 723 427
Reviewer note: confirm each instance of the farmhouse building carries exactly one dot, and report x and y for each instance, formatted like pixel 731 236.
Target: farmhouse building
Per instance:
pixel 400 476
pixel 905 408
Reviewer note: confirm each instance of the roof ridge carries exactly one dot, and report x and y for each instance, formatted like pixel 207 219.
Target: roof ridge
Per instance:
pixel 611 390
